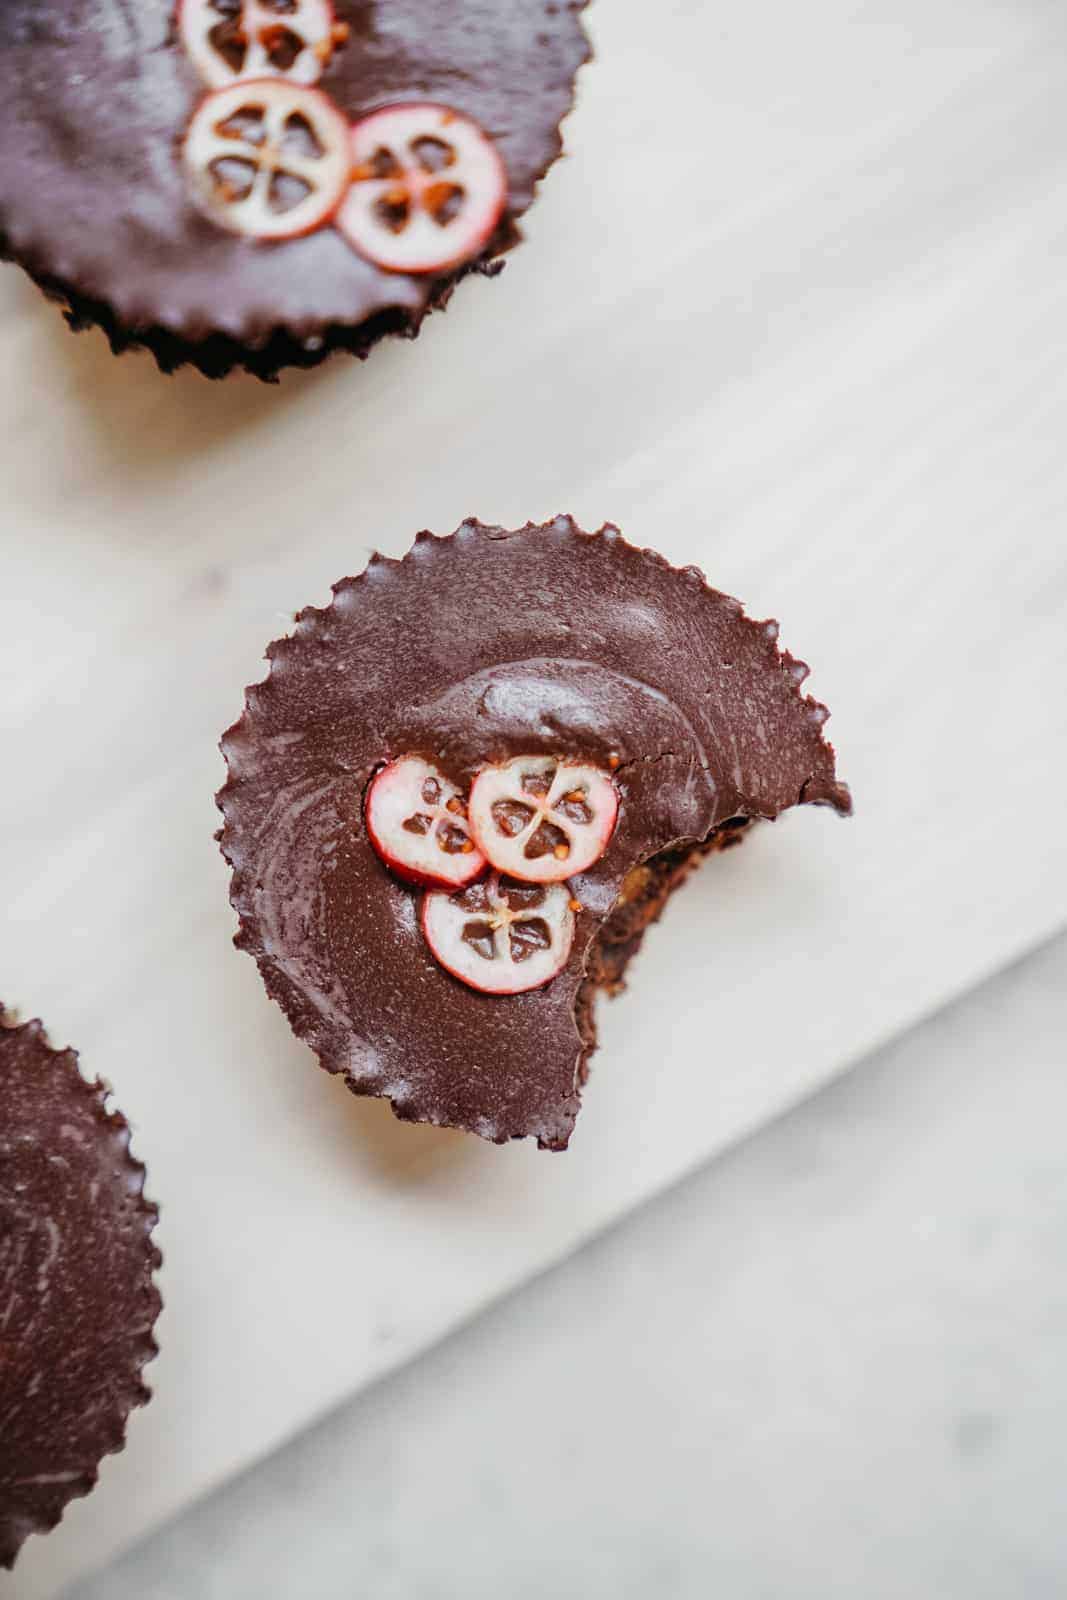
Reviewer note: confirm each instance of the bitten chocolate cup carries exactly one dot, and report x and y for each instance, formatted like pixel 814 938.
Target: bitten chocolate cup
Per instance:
pixel 574 650
pixel 78 1302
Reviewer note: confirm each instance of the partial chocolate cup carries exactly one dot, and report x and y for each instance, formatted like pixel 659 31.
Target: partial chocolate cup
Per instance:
pixel 76 1282
pixel 95 97
pixel 476 648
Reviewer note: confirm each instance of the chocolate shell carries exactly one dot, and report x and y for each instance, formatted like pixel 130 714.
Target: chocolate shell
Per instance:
pixel 77 1298
pixel 473 649
pixel 95 96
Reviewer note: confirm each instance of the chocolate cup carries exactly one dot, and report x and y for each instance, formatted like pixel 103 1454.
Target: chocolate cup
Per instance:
pixel 473 649
pixel 96 96
pixel 76 1282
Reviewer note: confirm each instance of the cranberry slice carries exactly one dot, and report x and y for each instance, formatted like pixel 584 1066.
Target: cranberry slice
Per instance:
pixel 428 189
pixel 237 40
pixel 500 936
pixel 268 159
pixel 541 819
pixel 417 822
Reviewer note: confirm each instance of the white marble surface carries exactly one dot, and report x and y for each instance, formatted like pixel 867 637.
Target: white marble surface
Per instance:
pixel 829 1365
pixel 795 309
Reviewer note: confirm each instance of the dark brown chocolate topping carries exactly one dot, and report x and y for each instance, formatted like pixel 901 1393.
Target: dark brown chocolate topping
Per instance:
pixel 476 648
pixel 95 95
pixel 77 1300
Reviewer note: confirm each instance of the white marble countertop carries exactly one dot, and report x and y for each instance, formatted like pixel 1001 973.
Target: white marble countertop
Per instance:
pixel 829 1365
pixel 795 310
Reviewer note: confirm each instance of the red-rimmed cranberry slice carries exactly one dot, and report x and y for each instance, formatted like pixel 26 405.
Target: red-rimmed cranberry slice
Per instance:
pixel 417 822
pixel 267 159
pixel 428 189
pixel 501 936
pixel 541 819
pixel 238 40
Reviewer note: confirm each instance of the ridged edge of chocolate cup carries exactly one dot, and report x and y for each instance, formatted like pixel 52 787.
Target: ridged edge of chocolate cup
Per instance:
pixel 219 355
